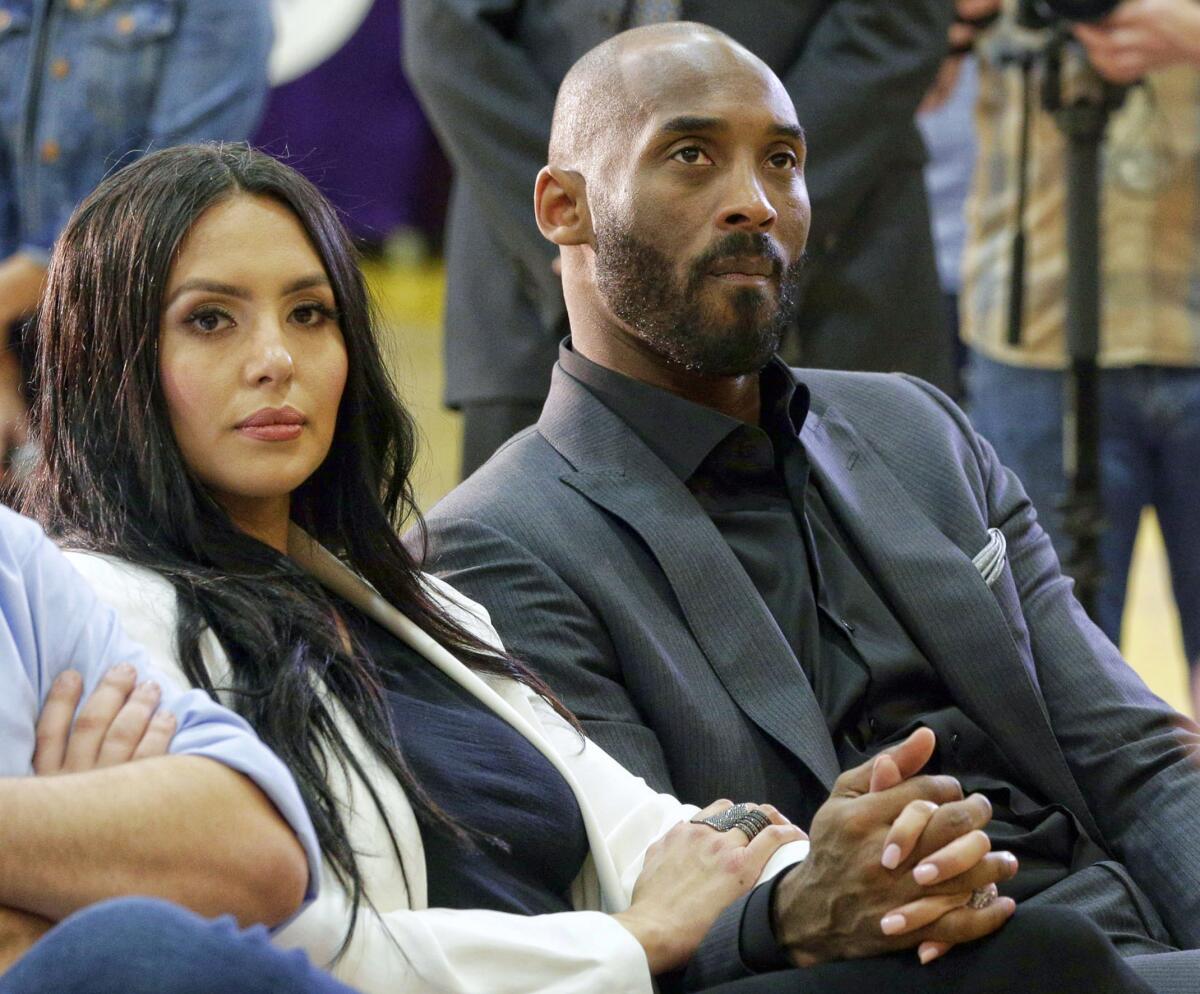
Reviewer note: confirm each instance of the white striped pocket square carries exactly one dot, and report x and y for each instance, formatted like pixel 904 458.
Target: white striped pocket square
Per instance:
pixel 991 558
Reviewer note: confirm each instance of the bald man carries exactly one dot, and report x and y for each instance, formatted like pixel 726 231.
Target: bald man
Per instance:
pixel 747 579
pixel 486 72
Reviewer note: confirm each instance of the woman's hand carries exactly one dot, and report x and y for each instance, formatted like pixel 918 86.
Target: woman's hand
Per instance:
pixel 923 822
pixel 119 722
pixel 690 876
pixel 952 845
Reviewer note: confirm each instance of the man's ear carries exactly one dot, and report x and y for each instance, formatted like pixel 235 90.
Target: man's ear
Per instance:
pixel 561 207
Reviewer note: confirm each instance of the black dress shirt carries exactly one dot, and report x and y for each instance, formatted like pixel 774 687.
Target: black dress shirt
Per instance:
pixel 872 681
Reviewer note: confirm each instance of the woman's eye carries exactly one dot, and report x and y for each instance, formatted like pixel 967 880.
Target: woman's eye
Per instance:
pixel 692 156
pixel 208 321
pixel 312 314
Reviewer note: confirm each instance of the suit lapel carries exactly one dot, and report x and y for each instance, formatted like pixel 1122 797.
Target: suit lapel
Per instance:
pixel 937 593
pixel 723 610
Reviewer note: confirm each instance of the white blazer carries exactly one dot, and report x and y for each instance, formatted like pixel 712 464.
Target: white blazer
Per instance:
pixel 404 946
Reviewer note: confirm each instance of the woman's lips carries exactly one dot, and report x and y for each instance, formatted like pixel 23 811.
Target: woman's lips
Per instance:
pixel 272 432
pixel 272 424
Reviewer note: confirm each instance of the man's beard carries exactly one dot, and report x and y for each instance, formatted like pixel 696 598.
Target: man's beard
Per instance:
pixel 639 286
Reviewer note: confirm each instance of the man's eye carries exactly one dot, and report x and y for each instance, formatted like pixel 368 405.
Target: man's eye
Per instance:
pixel 783 160
pixel 692 156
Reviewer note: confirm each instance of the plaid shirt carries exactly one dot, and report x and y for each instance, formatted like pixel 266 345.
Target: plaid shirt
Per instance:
pixel 1150 230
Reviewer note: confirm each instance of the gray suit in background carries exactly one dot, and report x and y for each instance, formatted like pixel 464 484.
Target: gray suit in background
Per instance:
pixel 487 72
pixel 602 571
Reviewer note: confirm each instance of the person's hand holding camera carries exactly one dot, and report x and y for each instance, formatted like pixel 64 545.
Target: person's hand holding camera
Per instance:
pixel 1141 36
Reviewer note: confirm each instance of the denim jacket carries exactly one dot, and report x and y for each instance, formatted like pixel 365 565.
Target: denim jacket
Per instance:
pixel 87 84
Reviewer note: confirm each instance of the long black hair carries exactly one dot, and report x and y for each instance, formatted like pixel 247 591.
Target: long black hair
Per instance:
pixel 111 478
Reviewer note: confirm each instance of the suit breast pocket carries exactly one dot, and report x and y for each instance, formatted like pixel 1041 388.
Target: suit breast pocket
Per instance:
pixel 1004 589
pixel 991 563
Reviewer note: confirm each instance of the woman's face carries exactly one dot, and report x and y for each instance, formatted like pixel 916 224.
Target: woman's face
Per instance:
pixel 251 355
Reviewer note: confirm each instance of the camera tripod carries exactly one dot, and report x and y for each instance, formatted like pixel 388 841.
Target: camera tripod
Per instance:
pixel 1081 103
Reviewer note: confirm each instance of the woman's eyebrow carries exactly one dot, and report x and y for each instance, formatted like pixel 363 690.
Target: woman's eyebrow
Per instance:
pixel 212 286
pixel 229 290
pixel 304 283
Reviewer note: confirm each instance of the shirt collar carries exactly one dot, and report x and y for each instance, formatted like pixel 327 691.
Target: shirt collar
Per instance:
pixel 678 431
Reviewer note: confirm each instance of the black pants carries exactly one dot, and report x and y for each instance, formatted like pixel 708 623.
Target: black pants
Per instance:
pixel 1040 951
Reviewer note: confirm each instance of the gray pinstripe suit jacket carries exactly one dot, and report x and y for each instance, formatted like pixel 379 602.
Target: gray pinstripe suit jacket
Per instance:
pixel 602 571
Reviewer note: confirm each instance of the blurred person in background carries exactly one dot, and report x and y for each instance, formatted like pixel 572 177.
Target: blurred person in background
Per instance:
pixel 487 72
pixel 1150 333
pixel 86 84
pixel 946 118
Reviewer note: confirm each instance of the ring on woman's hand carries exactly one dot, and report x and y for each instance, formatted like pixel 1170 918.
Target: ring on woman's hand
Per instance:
pixel 750 820
pixel 723 821
pixel 982 897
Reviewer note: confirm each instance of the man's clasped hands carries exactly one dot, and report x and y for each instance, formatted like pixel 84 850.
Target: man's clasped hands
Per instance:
pixel 895 859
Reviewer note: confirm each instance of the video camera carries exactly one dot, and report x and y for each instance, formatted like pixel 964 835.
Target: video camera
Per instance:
pixel 1036 14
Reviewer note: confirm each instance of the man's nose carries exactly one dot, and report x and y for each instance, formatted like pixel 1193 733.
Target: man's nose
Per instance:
pixel 746 206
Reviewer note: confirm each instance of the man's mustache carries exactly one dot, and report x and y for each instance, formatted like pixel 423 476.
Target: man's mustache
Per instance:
pixel 740 244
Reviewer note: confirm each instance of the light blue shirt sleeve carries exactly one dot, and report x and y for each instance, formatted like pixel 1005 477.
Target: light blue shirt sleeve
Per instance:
pixel 51 621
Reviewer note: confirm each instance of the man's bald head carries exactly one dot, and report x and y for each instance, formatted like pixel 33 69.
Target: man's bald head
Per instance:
pixel 675 190
pixel 608 94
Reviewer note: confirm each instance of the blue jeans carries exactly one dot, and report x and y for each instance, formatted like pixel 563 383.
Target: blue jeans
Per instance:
pixel 141 946
pixel 1149 455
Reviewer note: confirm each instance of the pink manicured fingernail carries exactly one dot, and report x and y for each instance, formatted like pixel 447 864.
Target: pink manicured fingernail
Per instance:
pixel 926 873
pixel 891 856
pixel 927 952
pixel 891 924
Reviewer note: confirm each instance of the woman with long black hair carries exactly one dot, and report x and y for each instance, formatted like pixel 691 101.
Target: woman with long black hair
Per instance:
pixel 221 444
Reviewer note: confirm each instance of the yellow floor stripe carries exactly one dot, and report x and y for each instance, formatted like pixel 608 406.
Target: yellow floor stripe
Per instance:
pixel 1150 636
